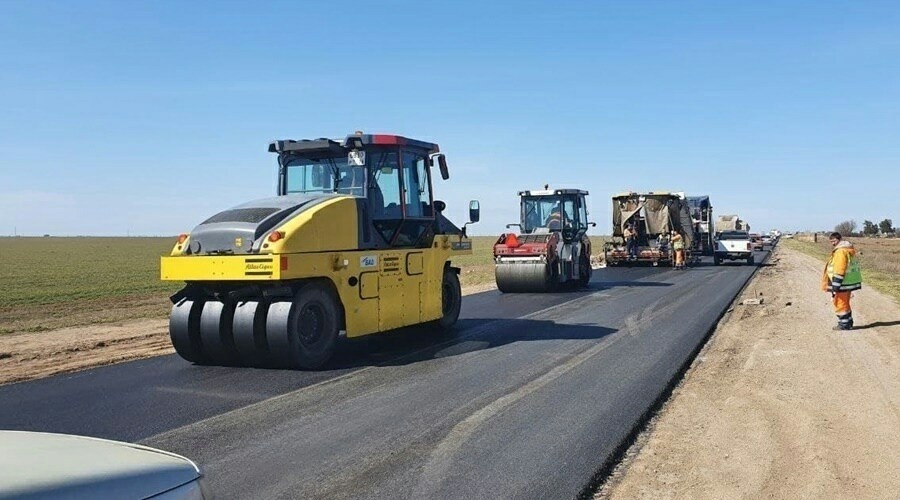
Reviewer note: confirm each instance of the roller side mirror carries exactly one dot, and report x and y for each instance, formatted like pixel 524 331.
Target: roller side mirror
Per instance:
pixel 474 211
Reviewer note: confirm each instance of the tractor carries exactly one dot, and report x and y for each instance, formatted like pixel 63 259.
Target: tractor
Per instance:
pixel 552 248
pixel 354 243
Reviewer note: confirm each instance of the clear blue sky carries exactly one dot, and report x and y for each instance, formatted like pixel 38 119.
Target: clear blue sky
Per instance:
pixel 148 117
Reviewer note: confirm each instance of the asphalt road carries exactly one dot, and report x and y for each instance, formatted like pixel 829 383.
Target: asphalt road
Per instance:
pixel 527 400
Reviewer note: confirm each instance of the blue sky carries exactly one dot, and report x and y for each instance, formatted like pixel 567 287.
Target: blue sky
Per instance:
pixel 147 118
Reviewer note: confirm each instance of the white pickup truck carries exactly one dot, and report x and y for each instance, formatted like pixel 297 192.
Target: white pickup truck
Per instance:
pixel 733 245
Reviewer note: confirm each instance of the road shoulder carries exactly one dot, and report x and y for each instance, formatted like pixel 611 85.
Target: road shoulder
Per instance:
pixel 777 404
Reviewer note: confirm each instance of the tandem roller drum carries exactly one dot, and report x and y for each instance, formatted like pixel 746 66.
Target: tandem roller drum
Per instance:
pixel 525 277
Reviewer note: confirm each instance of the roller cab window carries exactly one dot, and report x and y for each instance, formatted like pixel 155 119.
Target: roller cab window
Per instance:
pixel 554 213
pixel 400 197
pixel 311 175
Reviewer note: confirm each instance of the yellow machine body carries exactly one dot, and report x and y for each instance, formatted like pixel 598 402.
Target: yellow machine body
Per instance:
pixel 379 289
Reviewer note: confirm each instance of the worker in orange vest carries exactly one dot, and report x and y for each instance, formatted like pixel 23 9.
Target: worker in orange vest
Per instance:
pixel 678 248
pixel 841 277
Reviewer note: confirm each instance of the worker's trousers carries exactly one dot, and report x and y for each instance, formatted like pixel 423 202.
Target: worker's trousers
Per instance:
pixel 842 309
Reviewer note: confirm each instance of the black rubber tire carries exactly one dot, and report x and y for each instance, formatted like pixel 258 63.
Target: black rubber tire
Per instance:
pixel 184 330
pixel 751 260
pixel 313 325
pixel 249 330
pixel 585 272
pixel 716 261
pixel 215 333
pixel 278 336
pixel 451 300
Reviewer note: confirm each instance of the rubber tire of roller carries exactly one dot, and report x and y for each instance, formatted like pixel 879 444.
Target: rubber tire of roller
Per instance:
pixel 184 330
pixel 287 345
pixel 450 309
pixel 215 333
pixel 277 336
pixel 249 329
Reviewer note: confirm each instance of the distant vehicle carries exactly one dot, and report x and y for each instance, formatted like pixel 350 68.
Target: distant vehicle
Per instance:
pixel 43 465
pixel 768 240
pixel 733 245
pixel 756 240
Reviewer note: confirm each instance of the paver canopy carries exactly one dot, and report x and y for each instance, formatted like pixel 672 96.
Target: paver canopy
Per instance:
pixel 662 214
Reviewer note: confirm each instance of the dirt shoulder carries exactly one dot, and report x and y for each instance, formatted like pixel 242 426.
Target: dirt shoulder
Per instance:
pixel 778 405
pixel 33 355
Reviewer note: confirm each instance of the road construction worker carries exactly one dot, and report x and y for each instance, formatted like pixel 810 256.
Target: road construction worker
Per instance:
pixel 841 277
pixel 630 235
pixel 554 220
pixel 678 248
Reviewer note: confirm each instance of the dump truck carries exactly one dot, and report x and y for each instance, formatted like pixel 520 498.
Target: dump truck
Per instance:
pixel 551 249
pixel 654 216
pixel 704 227
pixel 353 243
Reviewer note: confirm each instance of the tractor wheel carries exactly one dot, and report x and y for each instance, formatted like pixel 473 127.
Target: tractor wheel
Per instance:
pixel 451 300
pixel 584 272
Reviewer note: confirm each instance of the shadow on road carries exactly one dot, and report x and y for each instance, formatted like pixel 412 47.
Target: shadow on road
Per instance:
pixel 877 324
pixel 412 345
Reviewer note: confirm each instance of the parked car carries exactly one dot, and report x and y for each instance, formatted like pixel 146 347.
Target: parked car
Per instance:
pixel 44 465
pixel 768 240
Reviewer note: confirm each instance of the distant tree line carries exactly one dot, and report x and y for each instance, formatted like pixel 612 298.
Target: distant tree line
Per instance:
pixel 883 228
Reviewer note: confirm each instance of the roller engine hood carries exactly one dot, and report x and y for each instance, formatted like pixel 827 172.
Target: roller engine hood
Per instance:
pixel 238 229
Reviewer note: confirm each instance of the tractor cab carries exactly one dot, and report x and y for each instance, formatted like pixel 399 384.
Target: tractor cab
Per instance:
pixel 389 174
pixel 554 210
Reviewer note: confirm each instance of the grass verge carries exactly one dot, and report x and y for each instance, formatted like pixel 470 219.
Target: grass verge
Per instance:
pixel 879 259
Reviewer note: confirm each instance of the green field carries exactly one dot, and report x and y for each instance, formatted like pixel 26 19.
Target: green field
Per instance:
pixel 879 259
pixel 49 283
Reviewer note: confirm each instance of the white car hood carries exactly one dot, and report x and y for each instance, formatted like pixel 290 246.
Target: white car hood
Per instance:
pixel 42 465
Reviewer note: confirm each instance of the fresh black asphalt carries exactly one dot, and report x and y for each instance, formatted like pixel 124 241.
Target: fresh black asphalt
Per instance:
pixel 527 399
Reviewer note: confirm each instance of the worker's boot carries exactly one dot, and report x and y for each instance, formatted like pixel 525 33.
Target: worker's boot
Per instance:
pixel 845 322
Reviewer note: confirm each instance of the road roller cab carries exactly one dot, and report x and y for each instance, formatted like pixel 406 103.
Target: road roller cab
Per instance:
pixel 354 241
pixel 552 247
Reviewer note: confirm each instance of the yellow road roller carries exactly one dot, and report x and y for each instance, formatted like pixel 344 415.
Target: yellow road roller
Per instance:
pixel 354 242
